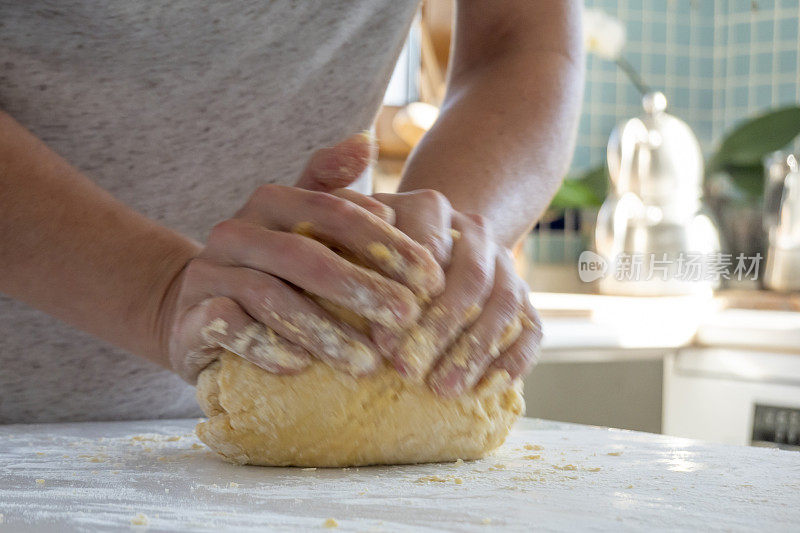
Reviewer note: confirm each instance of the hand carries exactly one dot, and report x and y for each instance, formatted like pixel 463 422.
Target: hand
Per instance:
pixel 241 292
pixel 482 322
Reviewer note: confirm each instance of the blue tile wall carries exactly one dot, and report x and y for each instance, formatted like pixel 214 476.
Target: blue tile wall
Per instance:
pixel 717 61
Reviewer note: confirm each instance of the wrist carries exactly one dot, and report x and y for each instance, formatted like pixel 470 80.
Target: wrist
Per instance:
pixel 156 309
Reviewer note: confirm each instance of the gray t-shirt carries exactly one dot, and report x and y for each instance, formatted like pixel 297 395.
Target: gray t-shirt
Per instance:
pixel 181 109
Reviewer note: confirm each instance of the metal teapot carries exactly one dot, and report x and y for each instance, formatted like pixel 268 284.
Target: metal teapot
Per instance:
pixel 782 222
pixel 653 225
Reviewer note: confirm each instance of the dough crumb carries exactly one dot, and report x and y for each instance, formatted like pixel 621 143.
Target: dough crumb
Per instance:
pixel 429 479
pixel 140 519
pixel 615 454
pixel 565 467
pixel 330 523
pixel 593 469
pixel 40 453
pixel 532 457
pixel 174 438
pixel 383 253
pixel 629 487
pixel 196 446
pixel 40 482
pixel 534 447
pixel 304 228
pixel 486 521
pixel 232 485
pixel 439 479
pixel 309 469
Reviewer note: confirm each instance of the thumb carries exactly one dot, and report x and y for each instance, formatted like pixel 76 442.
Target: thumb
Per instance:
pixel 340 165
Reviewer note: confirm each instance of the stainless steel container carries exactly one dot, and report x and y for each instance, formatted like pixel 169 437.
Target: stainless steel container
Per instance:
pixel 653 224
pixel 782 222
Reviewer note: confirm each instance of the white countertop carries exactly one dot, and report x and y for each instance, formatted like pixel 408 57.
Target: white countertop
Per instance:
pixel 100 476
pixel 592 322
pixel 619 324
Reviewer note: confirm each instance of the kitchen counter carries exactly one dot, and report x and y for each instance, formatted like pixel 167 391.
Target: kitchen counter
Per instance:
pixel 548 476
pixel 646 327
pixel 618 323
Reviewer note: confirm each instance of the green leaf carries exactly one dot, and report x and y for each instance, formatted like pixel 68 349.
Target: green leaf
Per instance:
pixel 585 190
pixel 750 141
pixel 597 180
pixel 573 195
pixel 748 179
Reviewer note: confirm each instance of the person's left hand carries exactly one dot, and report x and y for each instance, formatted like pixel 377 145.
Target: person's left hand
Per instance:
pixel 483 321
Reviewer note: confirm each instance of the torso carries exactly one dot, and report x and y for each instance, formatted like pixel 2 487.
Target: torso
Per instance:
pixel 180 109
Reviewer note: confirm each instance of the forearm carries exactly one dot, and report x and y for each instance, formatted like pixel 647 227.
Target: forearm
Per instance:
pixel 70 249
pixel 505 134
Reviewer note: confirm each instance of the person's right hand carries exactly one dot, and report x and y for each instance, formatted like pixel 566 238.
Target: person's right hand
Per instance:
pixel 245 291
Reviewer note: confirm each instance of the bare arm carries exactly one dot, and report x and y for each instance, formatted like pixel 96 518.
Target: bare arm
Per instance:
pixel 69 248
pixel 487 169
pixel 505 134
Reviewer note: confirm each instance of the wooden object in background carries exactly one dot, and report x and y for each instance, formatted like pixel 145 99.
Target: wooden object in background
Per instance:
pixel 436 25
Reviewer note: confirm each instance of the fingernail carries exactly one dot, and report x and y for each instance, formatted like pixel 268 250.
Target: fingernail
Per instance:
pixel 214 331
pixel 386 340
pixel 359 359
pixel 493 380
pixel 417 352
pixel 446 385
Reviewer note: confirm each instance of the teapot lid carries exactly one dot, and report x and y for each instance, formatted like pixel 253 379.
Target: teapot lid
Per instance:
pixel 655 155
pixel 654 103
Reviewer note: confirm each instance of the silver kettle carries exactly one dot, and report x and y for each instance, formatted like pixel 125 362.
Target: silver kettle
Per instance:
pixel 782 222
pixel 652 230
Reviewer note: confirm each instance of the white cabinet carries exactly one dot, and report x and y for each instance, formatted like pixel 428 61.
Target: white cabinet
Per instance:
pixel 713 394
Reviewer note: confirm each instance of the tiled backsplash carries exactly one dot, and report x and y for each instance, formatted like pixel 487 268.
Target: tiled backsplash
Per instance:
pixel 716 60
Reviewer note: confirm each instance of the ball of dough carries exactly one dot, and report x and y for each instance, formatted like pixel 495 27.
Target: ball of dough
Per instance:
pixel 325 418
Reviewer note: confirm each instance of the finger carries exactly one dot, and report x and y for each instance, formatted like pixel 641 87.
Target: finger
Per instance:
pixel 469 280
pixel 313 267
pixel 383 211
pixel 292 316
pixel 346 226
pixel 340 165
pixel 521 356
pixel 495 329
pixel 425 216
pixel 219 323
